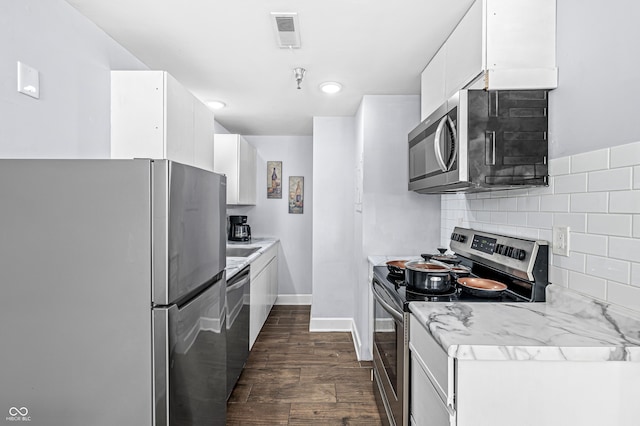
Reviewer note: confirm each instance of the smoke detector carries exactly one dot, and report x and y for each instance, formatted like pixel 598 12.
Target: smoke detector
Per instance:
pixel 286 26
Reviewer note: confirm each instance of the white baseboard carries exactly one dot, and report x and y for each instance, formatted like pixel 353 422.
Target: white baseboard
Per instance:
pixel 330 324
pixel 293 299
pixel 357 343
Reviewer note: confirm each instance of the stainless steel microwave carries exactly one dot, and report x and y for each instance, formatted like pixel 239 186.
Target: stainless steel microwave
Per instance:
pixel 480 141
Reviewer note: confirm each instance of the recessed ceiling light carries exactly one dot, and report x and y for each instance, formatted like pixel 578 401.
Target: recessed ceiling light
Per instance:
pixel 331 87
pixel 216 104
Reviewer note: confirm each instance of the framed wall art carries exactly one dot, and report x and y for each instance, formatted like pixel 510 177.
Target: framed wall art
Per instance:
pixel 296 194
pixel 274 179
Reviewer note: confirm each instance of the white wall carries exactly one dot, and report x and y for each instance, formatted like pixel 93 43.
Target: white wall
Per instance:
pixel 598 98
pixel 334 271
pixel 270 217
pixel 74 57
pixel 394 221
pixel 362 207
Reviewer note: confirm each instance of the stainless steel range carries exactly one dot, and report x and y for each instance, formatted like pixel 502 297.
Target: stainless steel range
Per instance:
pixel 520 264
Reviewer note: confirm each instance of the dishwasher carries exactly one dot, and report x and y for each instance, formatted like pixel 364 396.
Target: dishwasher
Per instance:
pixel 237 307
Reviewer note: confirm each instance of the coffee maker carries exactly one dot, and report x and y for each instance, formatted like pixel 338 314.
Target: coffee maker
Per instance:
pixel 239 230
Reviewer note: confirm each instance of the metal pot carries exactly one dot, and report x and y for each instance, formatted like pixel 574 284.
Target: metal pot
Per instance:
pixel 396 267
pixel 425 277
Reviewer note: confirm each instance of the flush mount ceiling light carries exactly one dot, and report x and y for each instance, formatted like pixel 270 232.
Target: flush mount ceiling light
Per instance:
pixel 216 104
pixel 331 87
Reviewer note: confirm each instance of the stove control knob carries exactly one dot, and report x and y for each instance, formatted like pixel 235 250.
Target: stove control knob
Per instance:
pixel 509 252
pixel 520 254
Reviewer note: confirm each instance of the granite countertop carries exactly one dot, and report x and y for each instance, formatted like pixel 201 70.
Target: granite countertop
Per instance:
pixel 235 264
pixel 569 326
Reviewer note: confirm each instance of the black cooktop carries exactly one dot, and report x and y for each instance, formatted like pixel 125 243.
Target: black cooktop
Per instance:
pixel 401 295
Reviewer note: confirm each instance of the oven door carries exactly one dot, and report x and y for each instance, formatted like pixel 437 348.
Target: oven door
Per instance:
pixel 390 356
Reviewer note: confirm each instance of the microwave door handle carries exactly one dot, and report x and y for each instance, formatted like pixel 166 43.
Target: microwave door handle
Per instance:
pixel 436 144
pixel 454 142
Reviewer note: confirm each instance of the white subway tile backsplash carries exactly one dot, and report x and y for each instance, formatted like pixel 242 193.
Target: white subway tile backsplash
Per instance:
pixel 560 166
pixel 596 194
pixel 577 221
pixel 491 204
pixel 625 155
pixel 635 274
pixel 588 243
pixel 590 202
pixel 540 220
pixel 588 161
pixel 570 183
pixel 517 218
pixel 624 248
pixel 508 204
pixel 624 202
pixel 483 216
pixel 623 295
pixel 596 287
pixel 475 204
pixel 611 180
pixel 498 217
pixel 609 224
pixel 611 269
pixel 528 204
pixel 554 203
pixel 558 276
pixel 574 262
pixel 545 234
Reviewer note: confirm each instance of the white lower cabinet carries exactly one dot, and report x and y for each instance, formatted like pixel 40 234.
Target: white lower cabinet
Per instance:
pixel 445 391
pixel 264 290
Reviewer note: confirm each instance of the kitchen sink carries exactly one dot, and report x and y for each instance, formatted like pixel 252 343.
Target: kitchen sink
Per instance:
pixel 241 251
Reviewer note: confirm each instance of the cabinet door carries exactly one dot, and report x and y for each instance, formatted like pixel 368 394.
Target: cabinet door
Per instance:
pixel 203 136
pixel 257 302
pixel 225 161
pixel 137 114
pixel 425 404
pixel 179 105
pixel 247 177
pixel 433 81
pixel 464 53
pixel 273 271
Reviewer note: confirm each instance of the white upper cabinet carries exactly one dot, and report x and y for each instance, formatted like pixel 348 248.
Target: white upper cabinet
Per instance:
pixel 154 116
pixel 236 158
pixel 498 45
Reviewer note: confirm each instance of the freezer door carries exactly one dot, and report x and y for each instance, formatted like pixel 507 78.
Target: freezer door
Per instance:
pixel 190 361
pixel 189 218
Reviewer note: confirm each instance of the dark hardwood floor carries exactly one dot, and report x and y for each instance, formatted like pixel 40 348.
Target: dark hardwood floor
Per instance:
pixel 294 377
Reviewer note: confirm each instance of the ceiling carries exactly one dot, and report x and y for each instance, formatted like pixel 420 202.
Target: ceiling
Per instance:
pixel 227 50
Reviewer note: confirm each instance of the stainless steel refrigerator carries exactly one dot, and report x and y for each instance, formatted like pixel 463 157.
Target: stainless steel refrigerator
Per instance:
pixel 112 292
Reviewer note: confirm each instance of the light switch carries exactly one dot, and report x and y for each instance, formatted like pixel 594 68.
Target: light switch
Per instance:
pixel 28 80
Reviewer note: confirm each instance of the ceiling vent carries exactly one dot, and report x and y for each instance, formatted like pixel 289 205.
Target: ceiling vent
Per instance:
pixel 286 26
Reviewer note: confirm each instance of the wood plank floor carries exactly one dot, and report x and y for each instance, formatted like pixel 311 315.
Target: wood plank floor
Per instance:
pixel 294 377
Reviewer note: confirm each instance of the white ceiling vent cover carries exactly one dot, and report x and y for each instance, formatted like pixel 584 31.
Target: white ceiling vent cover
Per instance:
pixel 286 26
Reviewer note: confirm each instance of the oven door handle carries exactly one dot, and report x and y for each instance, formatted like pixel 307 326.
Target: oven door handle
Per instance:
pixel 387 307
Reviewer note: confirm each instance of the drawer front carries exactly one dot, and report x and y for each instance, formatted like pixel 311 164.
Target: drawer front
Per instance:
pixel 432 356
pixel 263 260
pixel 427 407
